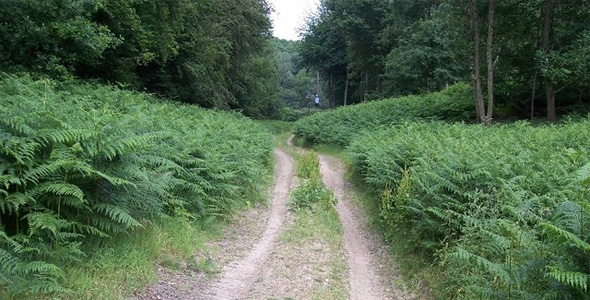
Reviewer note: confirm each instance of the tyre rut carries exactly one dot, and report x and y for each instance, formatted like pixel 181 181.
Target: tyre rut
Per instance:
pixel 238 277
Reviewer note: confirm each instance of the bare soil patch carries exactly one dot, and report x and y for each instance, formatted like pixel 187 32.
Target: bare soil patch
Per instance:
pixel 247 244
pixel 371 274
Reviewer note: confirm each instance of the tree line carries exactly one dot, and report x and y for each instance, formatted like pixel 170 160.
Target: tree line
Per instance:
pixel 217 54
pixel 526 58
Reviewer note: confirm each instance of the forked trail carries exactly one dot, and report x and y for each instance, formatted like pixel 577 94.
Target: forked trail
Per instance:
pixel 257 269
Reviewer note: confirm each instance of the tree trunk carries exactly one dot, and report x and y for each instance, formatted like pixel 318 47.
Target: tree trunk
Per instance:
pixel 551 115
pixel 479 107
pixel 489 49
pixel 547 27
pixel 332 96
pixel 346 90
pixel 360 88
pixel 317 85
pixel 533 95
pixel 366 89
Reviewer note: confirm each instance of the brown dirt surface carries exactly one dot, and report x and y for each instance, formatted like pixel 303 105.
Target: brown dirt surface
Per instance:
pixel 372 274
pixel 246 245
pixel 259 257
pixel 238 277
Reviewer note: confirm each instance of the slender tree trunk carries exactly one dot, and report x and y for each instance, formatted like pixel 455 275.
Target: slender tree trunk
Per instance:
pixel 551 116
pixel 479 107
pixel 533 95
pixel 317 85
pixel 332 96
pixel 489 49
pixel 363 87
pixel 346 90
pixel 366 89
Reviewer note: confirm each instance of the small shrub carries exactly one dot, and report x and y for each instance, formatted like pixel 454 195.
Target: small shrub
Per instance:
pixel 312 189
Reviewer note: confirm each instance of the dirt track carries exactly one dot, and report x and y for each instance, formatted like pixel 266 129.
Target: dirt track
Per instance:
pixel 257 265
pixel 238 277
pixel 371 276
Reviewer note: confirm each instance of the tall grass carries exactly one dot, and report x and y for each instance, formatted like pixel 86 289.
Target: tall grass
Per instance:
pixel 341 125
pixel 82 162
pixel 503 209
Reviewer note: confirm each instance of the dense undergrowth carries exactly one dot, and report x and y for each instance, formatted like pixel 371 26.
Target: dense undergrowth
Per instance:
pixel 502 210
pixel 341 125
pixel 81 163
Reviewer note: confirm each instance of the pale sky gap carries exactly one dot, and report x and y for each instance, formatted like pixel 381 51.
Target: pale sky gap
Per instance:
pixel 289 16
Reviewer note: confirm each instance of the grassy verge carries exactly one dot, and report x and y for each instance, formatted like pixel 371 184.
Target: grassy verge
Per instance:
pixel 126 264
pixel 117 268
pixel 318 227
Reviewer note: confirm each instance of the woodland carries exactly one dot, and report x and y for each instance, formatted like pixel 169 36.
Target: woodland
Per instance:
pixel 479 163
pixel 465 120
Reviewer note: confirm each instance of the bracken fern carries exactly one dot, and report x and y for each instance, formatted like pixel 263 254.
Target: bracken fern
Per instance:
pixel 82 162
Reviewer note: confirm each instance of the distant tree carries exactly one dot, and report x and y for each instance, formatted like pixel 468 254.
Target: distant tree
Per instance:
pixel 54 36
pixel 297 82
pixel 424 54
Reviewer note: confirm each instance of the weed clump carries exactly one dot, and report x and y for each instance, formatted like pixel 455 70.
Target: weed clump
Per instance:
pixel 312 189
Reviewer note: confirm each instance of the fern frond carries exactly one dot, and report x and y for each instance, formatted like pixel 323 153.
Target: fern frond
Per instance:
pixel 584 175
pixel 129 144
pixel 13 202
pixel 491 268
pixel 116 181
pixel 23 150
pixel 573 239
pixel 68 136
pixel 117 214
pixel 18 126
pixel 15 246
pixel 87 229
pixel 46 221
pixel 9 180
pixel 60 189
pixel 40 267
pixel 8 263
pixel 573 279
pixel 37 173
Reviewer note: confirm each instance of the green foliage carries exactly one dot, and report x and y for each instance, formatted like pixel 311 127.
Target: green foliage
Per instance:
pixel 216 54
pixel 503 209
pixel 341 125
pixel 367 49
pixel 413 65
pixel 83 162
pixel 53 36
pixel 276 127
pixel 312 189
pixel 297 83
